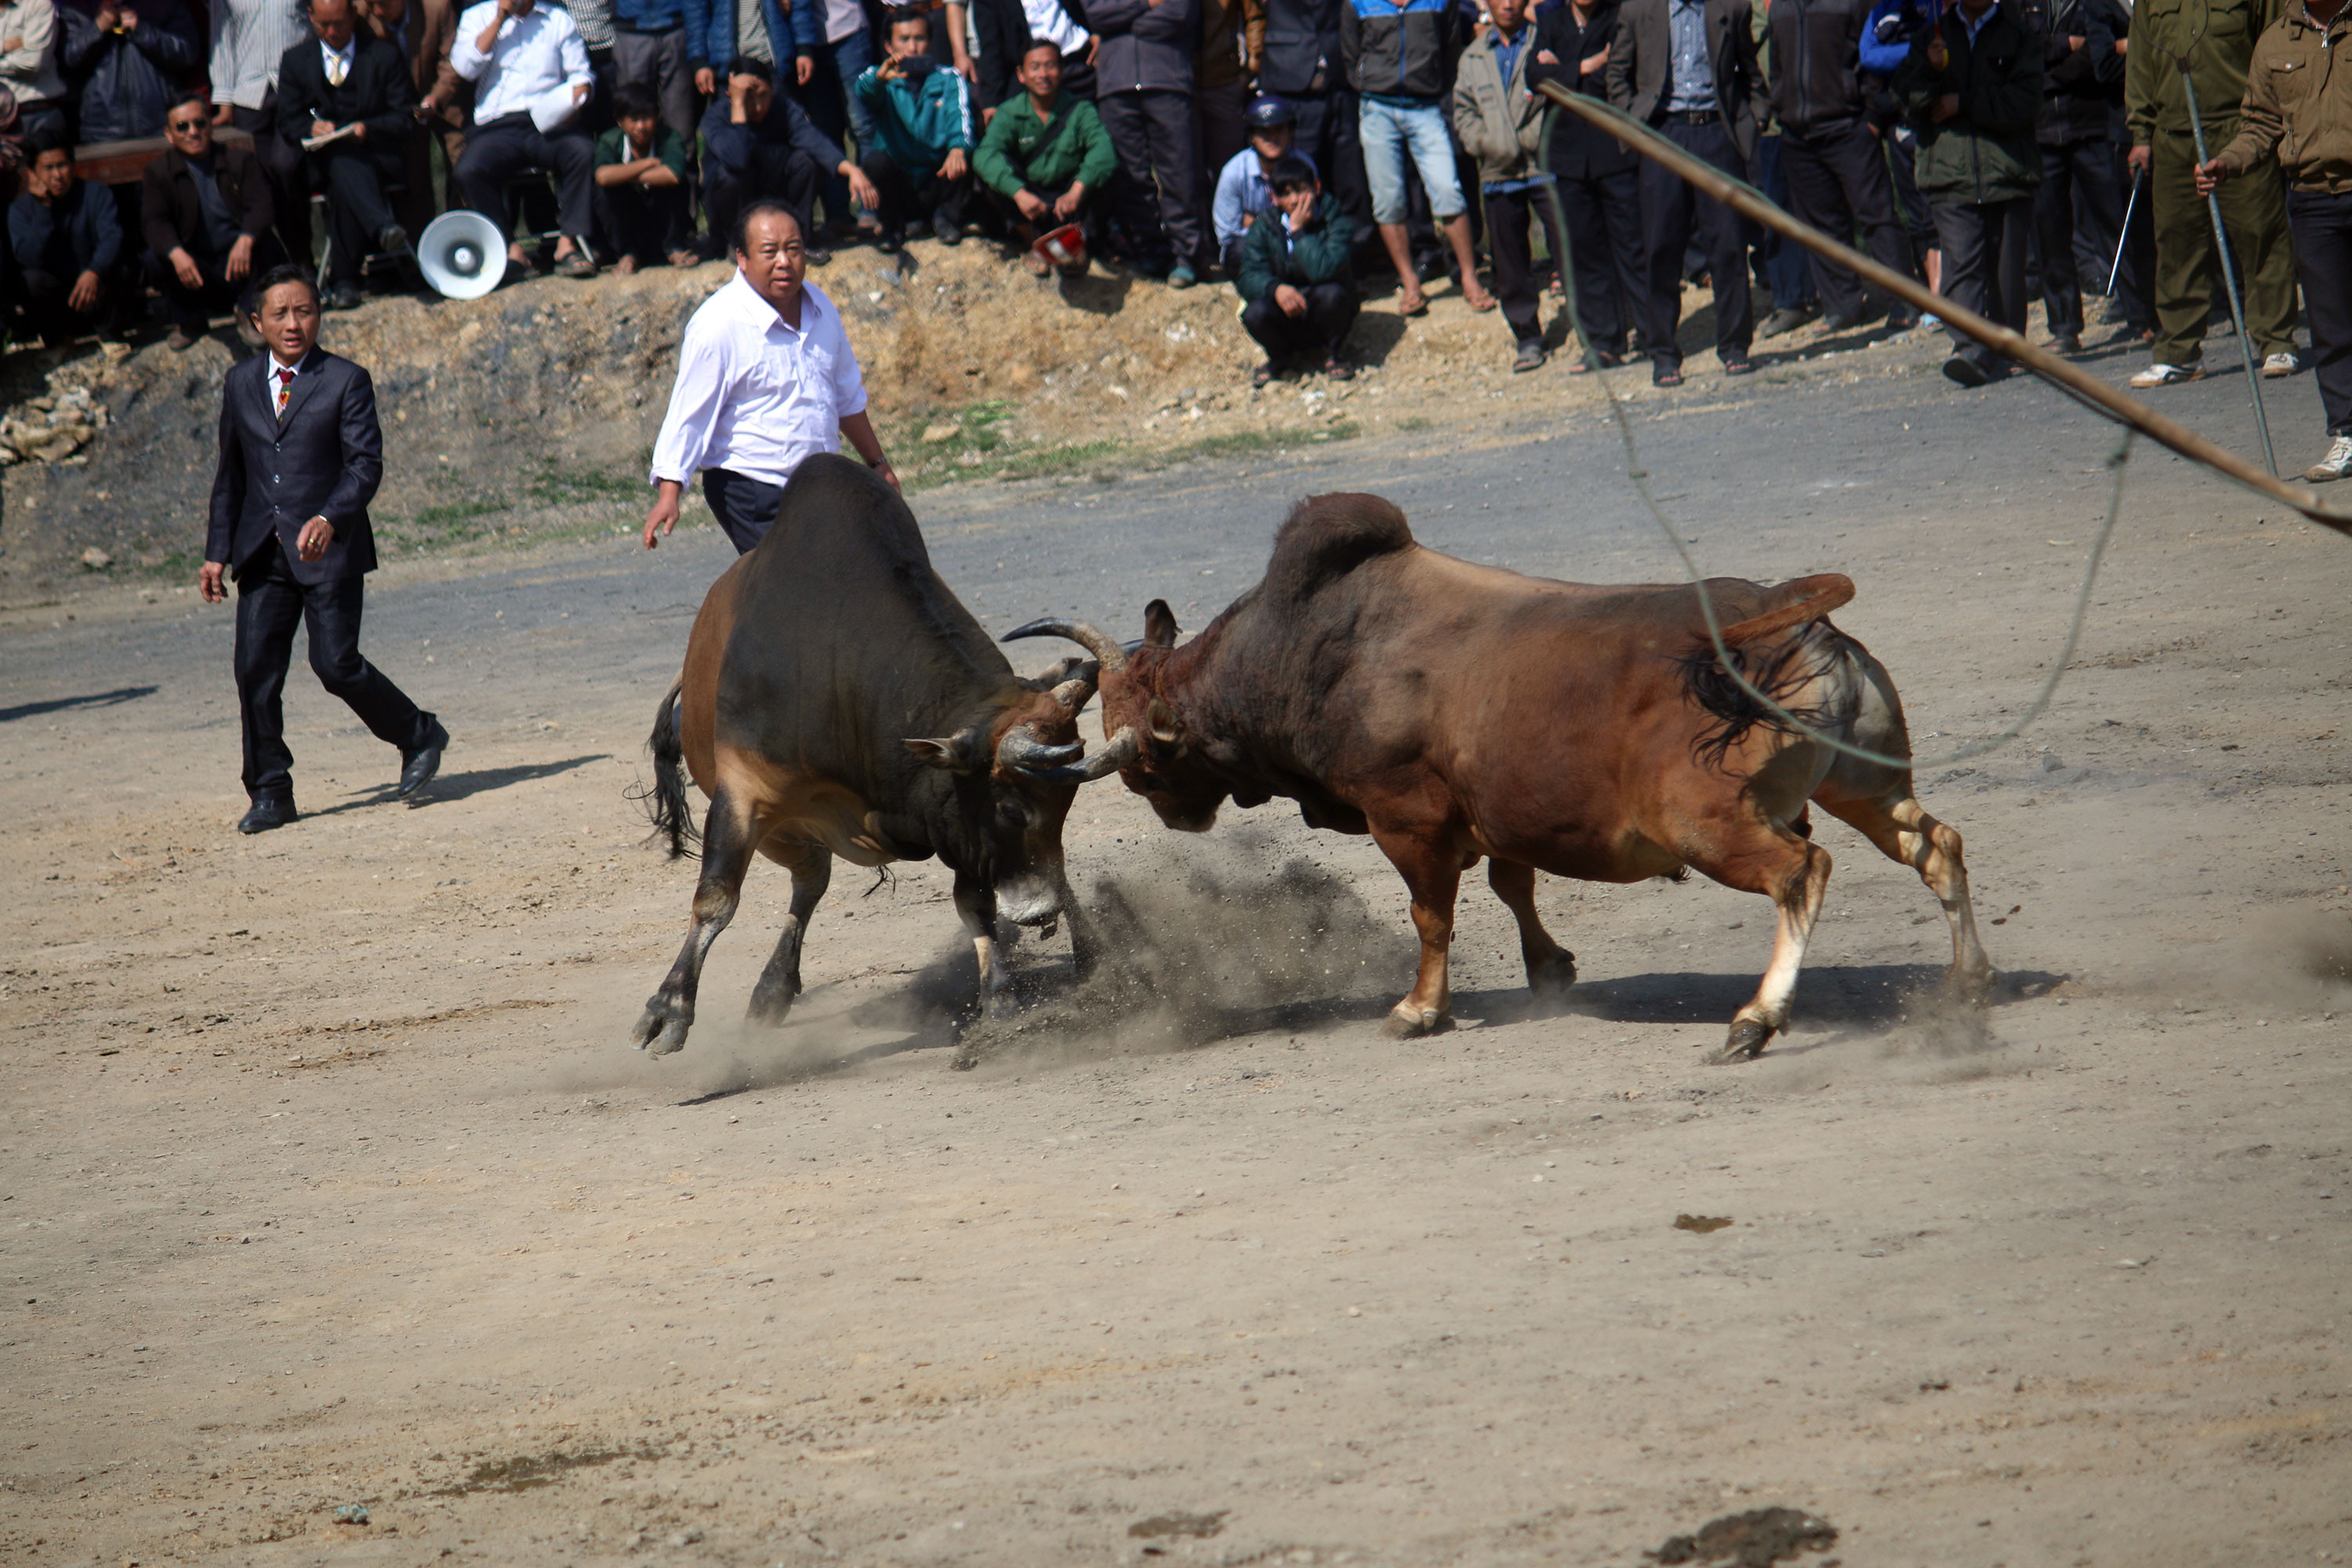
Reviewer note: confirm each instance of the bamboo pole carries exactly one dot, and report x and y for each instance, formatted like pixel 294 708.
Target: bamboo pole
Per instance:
pixel 2073 380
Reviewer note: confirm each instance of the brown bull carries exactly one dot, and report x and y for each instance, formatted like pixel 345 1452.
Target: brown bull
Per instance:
pixel 1453 711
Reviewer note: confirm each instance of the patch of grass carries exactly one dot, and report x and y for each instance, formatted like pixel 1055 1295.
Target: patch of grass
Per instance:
pixel 451 522
pixel 1413 422
pixel 1240 441
pixel 556 486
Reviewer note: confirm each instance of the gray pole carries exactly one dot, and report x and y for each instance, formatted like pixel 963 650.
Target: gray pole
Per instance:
pixel 2228 278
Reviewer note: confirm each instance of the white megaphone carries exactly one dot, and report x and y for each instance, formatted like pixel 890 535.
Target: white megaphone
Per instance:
pixel 462 255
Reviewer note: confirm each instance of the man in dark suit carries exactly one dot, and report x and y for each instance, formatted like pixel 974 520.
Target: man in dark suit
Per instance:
pixel 301 455
pixel 1688 67
pixel 206 212
pixel 351 85
pixel 1599 177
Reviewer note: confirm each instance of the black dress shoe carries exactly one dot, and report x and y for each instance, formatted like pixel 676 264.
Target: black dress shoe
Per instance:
pixel 342 296
pixel 266 814
pixel 417 767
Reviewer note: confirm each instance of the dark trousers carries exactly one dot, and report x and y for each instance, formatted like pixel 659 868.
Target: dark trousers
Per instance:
pixel 745 508
pixel 1672 216
pixel 1016 225
pixel 1156 196
pixel 49 317
pixel 511 147
pixel 1901 150
pixel 782 173
pixel 1788 265
pixel 647 222
pixel 1984 265
pixel 281 164
pixel 1330 310
pixel 2135 278
pixel 270 604
pixel 1837 182
pixel 1511 218
pixel 192 310
pixel 1327 131
pixel 418 206
pixel 1220 116
pixel 2077 201
pixel 656 62
pixel 906 198
pixel 1602 216
pixel 357 208
pixel 2322 227
pixel 2188 285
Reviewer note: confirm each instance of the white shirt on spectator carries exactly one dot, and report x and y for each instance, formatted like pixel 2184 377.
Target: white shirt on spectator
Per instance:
pixel 249 37
pixel 1050 24
pixel 532 57
pixel 330 57
pixel 754 396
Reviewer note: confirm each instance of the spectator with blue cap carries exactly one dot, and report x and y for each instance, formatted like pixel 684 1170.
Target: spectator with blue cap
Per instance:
pixel 1245 191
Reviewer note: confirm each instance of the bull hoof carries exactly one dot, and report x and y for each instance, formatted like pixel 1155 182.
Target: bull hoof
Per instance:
pixel 1746 1043
pixel 661 1030
pixel 1973 986
pixel 1407 1024
pixel 1551 981
pixel 772 1004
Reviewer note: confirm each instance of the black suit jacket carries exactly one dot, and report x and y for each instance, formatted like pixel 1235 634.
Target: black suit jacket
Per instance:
pixel 1579 150
pixel 1643 55
pixel 377 91
pixel 170 215
pixel 325 458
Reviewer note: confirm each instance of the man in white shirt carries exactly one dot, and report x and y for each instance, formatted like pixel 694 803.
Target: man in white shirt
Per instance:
pixel 530 73
pixel 766 379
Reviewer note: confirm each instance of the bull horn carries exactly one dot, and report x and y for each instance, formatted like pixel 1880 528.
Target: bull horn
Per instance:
pixel 1121 750
pixel 1024 753
pixel 1108 651
pixel 1074 694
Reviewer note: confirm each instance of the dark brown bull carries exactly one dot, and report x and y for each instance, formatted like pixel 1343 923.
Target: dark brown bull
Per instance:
pixel 839 700
pixel 1453 711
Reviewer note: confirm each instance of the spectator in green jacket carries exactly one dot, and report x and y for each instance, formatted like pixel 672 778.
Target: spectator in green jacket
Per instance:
pixel 1972 86
pixel 921 158
pixel 641 187
pixel 1298 275
pixel 1045 155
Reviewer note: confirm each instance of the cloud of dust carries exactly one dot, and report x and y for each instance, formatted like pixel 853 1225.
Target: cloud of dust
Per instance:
pixel 1201 940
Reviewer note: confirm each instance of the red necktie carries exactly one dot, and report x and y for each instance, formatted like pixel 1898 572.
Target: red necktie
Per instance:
pixel 284 389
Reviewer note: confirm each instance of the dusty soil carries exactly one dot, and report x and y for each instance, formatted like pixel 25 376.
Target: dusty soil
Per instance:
pixel 531 415
pixel 325 1180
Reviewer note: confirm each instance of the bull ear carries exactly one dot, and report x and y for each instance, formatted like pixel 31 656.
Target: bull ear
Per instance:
pixel 1166 727
pixel 1159 628
pixel 959 753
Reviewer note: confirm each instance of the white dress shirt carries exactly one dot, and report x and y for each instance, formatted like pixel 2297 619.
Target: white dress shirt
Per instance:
pixel 753 396
pixel 532 57
pixel 249 37
pixel 1049 23
pixel 331 58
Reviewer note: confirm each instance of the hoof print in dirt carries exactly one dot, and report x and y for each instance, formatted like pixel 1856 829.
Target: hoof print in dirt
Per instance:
pixel 1754 1539
pixel 1199 1526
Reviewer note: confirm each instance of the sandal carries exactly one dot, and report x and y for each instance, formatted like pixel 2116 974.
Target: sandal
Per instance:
pixel 1338 369
pixel 1264 375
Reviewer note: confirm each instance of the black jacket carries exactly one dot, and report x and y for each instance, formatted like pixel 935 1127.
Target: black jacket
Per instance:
pixel 171 216
pixel 377 91
pixel 1000 35
pixel 1642 57
pixel 1579 150
pixel 1144 47
pixel 325 458
pixel 1817 62
pixel 1301 54
pixel 2080 88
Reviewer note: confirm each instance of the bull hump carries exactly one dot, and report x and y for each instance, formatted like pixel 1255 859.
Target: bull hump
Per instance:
pixel 1328 536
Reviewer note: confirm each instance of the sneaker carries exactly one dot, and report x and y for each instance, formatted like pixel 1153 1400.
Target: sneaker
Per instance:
pixel 1182 276
pixel 2162 374
pixel 1836 322
pixel 1782 322
pixel 2335 466
pixel 2286 362
pixel 1530 356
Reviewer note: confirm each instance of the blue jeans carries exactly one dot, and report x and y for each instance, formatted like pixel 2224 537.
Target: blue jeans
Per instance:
pixel 1389 133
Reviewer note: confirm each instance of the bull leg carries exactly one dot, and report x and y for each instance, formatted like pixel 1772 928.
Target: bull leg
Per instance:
pixel 975 903
pixel 1432 875
pixel 1904 831
pixel 1552 968
pixel 811 868
pixel 728 837
pixel 1795 874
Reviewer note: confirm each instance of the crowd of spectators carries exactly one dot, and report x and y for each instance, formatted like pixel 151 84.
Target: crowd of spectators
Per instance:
pixel 1986 147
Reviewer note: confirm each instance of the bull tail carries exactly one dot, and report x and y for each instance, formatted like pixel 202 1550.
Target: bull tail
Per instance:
pixel 1762 652
pixel 665 803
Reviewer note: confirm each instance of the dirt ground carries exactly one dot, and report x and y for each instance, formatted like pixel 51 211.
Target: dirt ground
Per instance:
pixel 326 1179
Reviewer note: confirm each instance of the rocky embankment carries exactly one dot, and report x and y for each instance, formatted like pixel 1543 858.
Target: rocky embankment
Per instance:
pixel 532 414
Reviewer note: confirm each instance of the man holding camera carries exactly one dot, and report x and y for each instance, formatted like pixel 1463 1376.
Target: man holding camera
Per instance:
pixel 920 162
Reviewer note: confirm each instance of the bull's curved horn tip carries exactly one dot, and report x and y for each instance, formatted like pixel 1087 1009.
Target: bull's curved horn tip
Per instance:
pixel 1045 628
